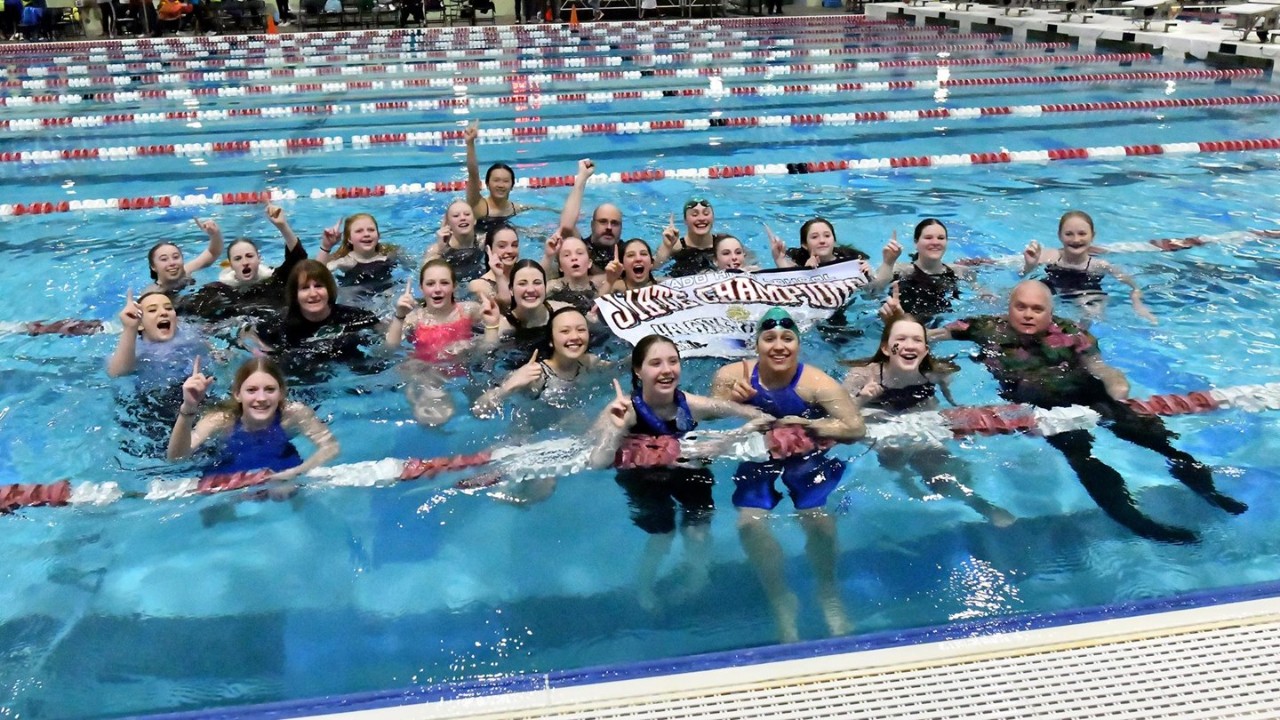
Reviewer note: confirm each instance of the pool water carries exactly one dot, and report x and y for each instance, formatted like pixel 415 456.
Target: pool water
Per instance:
pixel 143 607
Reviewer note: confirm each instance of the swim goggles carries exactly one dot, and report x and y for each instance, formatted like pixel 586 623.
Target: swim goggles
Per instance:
pixel 695 202
pixel 785 323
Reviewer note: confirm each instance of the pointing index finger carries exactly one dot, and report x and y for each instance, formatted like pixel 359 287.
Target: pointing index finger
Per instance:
pixel 617 388
pixel 195 366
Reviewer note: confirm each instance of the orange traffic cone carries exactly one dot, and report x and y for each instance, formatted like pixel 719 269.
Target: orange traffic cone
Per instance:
pixel 573 16
pixel 271 26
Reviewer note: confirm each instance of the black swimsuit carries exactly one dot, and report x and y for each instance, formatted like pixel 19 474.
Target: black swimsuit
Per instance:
pixel 800 256
pixel 687 260
pixel 902 399
pixel 468 263
pixel 1072 282
pixel 925 295
pixel 582 300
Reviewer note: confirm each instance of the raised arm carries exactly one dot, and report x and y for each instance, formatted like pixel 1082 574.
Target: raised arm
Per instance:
pixel 275 214
pixel 329 239
pixel 183 439
pixel 779 250
pixel 613 424
pixel 473 169
pixel 670 234
pixel 211 252
pixel 573 203
pixel 524 376
pixel 125 357
pixel 888 261
pixel 405 305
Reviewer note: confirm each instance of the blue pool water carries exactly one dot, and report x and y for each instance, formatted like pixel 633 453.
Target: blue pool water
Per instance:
pixel 137 607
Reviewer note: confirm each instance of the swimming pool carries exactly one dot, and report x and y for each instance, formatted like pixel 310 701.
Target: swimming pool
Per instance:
pixel 136 607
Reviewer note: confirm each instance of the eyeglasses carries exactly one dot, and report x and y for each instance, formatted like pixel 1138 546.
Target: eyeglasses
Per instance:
pixel 772 323
pixel 695 202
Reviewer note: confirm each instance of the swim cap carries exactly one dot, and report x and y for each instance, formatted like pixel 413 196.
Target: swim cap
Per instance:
pixel 776 317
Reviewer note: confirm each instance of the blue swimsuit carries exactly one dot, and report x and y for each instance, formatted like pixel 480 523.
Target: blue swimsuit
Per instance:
pixel 809 478
pixel 268 449
pixel 654 493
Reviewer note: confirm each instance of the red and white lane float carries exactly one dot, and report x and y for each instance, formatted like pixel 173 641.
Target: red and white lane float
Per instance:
pixel 534 132
pixel 448 78
pixel 523 94
pixel 653 174
pixel 567 456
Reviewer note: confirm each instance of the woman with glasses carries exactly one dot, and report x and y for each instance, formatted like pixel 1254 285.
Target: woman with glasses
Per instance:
pixel 780 385
pixel 693 252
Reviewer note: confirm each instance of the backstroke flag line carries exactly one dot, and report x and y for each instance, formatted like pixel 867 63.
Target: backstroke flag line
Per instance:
pixel 714 314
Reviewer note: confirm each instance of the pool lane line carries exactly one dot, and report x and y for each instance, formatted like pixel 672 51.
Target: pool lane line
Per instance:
pixel 536 133
pixel 185 94
pixel 455 33
pixel 344 65
pixel 540 44
pixel 447 68
pixel 724 172
pixel 536 99
pixel 521 462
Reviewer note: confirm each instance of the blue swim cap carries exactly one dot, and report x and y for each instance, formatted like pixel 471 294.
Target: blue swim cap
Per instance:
pixel 776 317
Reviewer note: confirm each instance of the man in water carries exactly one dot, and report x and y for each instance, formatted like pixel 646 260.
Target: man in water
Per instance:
pixel 1049 362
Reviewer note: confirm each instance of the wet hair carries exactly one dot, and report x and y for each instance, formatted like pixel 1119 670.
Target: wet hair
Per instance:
pixel 929 364
pixel 521 265
pixel 920 226
pixel 346 247
pixel 641 351
pixel 149 293
pixel 305 270
pixel 499 166
pixel 718 239
pixel 491 236
pixel 1073 214
pixel 435 263
pixel 548 347
pixel 151 257
pixel 254 365
pixel 804 230
pixel 237 241
pixel 585 245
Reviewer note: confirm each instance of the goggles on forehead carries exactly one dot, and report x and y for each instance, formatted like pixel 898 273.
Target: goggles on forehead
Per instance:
pixel 695 202
pixel 773 323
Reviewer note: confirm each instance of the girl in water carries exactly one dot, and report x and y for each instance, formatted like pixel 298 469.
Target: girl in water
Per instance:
pixel 362 258
pixel 731 256
pixel 556 378
pixel 657 406
pixel 440 329
pixel 253 430
pixel 693 252
pixel 169 272
pixel 632 266
pixel 526 322
pixel 456 242
pixel 576 286
pixel 499 180
pixel 817 247
pixel 927 285
pixel 502 249
pixel 797 394
pixel 1073 273
pixel 903 377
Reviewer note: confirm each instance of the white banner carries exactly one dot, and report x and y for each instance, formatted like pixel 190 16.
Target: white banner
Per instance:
pixel 714 314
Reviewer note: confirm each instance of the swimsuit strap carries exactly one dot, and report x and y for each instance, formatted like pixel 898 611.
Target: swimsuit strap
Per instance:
pixel 649 420
pixel 755 378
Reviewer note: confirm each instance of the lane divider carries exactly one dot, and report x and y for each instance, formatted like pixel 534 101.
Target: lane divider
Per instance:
pixel 447 68
pixel 539 100
pixel 1109 153
pixel 567 456
pixel 532 132
pixel 612 29
pixel 730 71
pixel 64 66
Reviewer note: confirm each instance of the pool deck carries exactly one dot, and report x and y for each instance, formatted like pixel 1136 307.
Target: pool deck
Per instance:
pixel 1200 40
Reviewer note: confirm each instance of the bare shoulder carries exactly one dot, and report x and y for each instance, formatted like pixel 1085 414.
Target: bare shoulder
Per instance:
pixel 296 414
